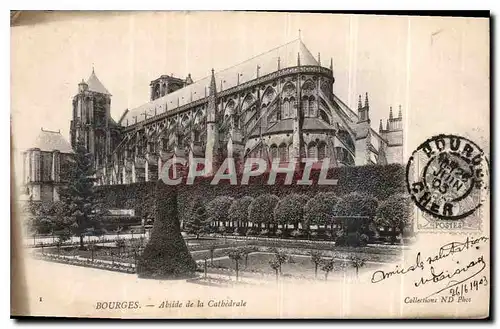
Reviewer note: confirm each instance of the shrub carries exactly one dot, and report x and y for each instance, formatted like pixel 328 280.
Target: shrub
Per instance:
pixel 264 232
pixel 297 233
pixel 251 232
pixel 290 209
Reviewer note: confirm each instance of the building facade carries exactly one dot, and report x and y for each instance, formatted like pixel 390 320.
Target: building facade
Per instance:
pixel 42 166
pixel 279 104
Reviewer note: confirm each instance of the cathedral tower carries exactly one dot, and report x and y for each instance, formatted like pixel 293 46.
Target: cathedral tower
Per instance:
pixel 91 118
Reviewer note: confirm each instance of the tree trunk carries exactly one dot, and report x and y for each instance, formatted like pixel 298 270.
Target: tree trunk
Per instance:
pixel 237 270
pixel 315 270
pixel 276 275
pixel 326 276
pixel 394 235
pixel 81 241
pixel 246 260
pixel 357 271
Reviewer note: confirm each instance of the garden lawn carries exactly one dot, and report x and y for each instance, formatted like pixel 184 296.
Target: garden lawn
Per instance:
pixel 302 266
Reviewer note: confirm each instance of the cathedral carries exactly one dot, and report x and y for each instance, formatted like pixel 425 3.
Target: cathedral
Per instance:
pixel 277 105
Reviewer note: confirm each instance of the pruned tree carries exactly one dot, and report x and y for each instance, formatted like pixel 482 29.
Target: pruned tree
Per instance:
pixel 327 266
pixel 362 209
pixel 238 212
pixel 236 255
pixel 275 265
pixel 357 263
pixel 316 259
pixel 247 250
pixel 281 257
pixel 290 210
pixel 320 209
pixel 261 209
pixel 395 212
pixel 218 209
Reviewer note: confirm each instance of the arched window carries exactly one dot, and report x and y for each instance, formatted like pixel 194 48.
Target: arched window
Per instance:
pixel 286 108
pixel 157 91
pixel 197 135
pixel 305 105
pixel 312 107
pixel 321 150
pixel 274 152
pixel 293 106
pixel 312 151
pixel 283 152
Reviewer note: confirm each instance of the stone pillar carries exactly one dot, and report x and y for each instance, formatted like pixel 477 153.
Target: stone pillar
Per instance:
pixel 56 166
pixel 134 178
pixel 36 165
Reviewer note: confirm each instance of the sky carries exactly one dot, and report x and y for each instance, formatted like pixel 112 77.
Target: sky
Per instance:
pixel 436 68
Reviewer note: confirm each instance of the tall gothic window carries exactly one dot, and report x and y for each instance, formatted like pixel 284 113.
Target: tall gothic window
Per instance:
pixel 286 108
pixel 321 150
pixel 311 106
pixel 305 105
pixel 312 151
pixel 293 106
pixel 274 152
pixel 283 152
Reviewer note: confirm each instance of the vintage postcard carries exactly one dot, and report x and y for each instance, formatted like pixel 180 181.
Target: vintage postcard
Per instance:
pixel 250 165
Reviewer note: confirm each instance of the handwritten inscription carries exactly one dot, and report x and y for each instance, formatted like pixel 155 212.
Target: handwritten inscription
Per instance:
pixel 449 278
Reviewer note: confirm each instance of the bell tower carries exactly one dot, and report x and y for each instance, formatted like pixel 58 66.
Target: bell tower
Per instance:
pixel 91 117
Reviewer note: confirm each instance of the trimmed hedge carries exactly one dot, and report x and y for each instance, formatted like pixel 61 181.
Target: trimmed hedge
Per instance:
pixel 138 196
pixel 379 181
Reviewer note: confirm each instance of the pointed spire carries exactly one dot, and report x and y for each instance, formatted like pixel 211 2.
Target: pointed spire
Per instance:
pixel 387 125
pixel 298 59
pixel 319 59
pixel 400 114
pixel 331 64
pixel 367 105
pixel 359 103
pixel 300 36
pixel 213 87
pixel 279 63
pixel 380 128
pixel 390 114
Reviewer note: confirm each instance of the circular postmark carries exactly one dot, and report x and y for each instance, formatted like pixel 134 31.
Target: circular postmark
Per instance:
pixel 447 177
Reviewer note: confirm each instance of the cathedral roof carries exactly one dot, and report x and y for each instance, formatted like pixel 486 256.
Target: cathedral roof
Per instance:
pixel 287 56
pixel 49 141
pixel 96 85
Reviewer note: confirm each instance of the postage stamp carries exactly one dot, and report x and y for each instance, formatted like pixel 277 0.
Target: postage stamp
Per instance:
pixel 447 178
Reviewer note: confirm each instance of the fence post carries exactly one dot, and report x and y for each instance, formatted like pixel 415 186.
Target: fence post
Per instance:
pixel 205 267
